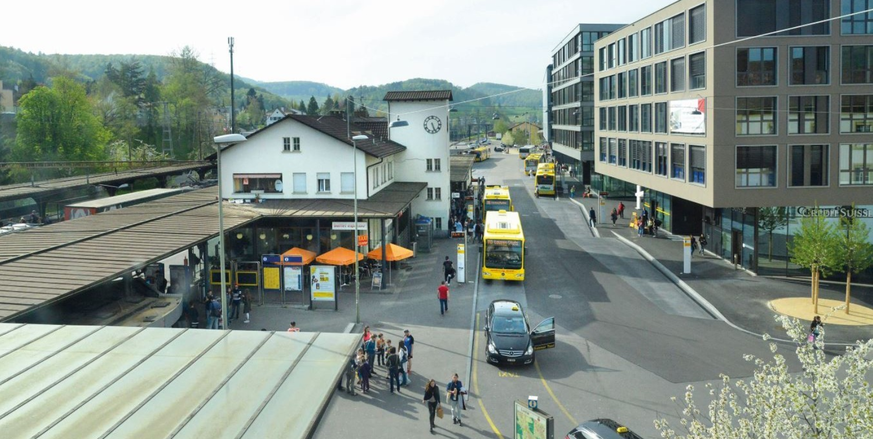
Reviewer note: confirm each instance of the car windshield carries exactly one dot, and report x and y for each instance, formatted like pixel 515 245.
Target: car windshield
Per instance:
pixel 508 325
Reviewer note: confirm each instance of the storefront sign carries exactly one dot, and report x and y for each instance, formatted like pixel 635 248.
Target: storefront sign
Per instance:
pixel 347 225
pixel 362 240
pixel 835 212
pixel 323 283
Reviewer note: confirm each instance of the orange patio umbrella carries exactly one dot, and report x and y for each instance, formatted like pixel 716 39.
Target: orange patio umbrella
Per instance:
pixel 339 256
pixel 393 252
pixel 306 255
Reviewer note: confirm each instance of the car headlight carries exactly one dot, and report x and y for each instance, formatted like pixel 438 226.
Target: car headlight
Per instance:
pixel 529 350
pixel 491 348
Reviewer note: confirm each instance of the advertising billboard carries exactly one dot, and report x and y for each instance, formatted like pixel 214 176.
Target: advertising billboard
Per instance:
pixel 323 285
pixel 688 116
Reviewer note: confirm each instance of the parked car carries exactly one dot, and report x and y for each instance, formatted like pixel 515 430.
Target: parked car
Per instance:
pixel 601 429
pixel 509 338
pixel 499 148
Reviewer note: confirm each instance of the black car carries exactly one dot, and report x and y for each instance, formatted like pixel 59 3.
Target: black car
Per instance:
pixel 499 148
pixel 509 338
pixel 601 429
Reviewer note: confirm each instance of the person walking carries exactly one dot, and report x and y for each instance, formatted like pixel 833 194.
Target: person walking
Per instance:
pixel 614 216
pixel 432 398
pixel 235 302
pixel 213 313
pixel 693 245
pixel 592 217
pixel 455 396
pixel 815 329
pixel 393 362
pixel 447 266
pixel 443 296
pixel 193 315
pixel 409 342
pixel 572 191
pixel 621 210
pixel 247 305
pixel 701 242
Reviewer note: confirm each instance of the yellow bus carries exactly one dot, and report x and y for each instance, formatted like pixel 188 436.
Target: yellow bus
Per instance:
pixel 496 198
pixel 481 153
pixel 531 163
pixel 503 243
pixel 545 179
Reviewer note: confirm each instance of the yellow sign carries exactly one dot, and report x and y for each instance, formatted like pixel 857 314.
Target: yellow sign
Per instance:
pixel 271 278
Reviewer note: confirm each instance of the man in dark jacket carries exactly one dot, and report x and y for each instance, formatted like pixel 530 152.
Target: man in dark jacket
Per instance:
pixel 394 369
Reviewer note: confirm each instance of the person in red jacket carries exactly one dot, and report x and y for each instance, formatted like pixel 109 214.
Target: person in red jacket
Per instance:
pixel 443 295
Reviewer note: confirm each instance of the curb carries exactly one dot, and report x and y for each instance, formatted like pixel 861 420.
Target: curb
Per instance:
pixel 594 231
pixel 472 329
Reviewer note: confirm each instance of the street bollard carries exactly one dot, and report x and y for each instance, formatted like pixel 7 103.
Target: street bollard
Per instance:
pixel 736 257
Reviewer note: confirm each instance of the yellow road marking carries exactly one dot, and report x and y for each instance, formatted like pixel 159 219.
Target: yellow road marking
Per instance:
pixel 552 394
pixel 476 382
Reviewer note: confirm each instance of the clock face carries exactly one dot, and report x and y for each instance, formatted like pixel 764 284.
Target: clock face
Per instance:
pixel 432 124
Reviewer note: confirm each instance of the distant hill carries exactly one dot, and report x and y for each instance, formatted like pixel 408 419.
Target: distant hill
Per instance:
pixel 298 90
pixel 506 96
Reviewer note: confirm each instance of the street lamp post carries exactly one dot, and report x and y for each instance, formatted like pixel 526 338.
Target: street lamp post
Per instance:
pixel 232 115
pixel 220 142
pixel 355 204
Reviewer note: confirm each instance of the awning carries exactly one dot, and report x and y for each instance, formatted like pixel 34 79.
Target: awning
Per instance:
pixel 339 256
pixel 393 252
pixel 307 256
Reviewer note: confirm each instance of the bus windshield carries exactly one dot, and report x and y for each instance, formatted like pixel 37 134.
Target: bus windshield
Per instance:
pixel 503 253
pixel 545 179
pixel 496 205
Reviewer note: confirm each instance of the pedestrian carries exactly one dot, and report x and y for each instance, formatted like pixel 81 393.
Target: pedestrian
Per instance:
pixel 447 265
pixel 572 191
pixel 645 217
pixel 293 327
pixel 351 371
pixel 432 398
pixel 480 231
pixel 403 354
pixel 455 397
pixel 365 372
pixel 367 334
pixel 393 362
pixel 443 296
pixel 247 305
pixel 614 216
pixel 370 349
pixel 650 227
pixel 213 313
pixel 815 329
pixel 408 341
pixel 658 223
pixel 450 275
pixel 621 210
pixel 639 227
pixel 380 349
pixel 235 301
pixel 701 242
pixel 592 217
pixel 193 315
pixel 693 245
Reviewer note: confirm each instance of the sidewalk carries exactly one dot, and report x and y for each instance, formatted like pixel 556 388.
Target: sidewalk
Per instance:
pixel 741 297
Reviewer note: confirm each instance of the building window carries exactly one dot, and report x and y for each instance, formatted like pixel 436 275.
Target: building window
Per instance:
pixel 859 24
pixel 439 223
pixel 856 164
pixel 632 83
pixel 661 77
pixel 622 153
pixel 646 153
pixel 856 114
pixel 677 161
pixel 603 119
pixel 697 24
pixel 757 17
pixel 613 84
pixel 633 116
pixel 613 151
pixel 347 182
pixel 612 118
pixel 633 47
pixel 622 85
pixel 810 65
pixel 670 34
pixel 808 114
pixel 621 52
pixel 299 183
pixel 697 163
pixel 857 64
pixel 430 194
pixel 604 88
pixel 697 71
pixel 660 117
pixel 661 154
pixel 612 56
pixel 645 43
pixel 635 156
pixel 756 116
pixel 808 165
pixel 603 149
pixel 646 118
pixel 756 166
pixel 646 81
pixel 622 118
pixel 286 144
pixel 436 165
pixel 677 74
pixel 601 55
pixel 296 141
pixel 256 183
pixel 323 181
pixel 756 66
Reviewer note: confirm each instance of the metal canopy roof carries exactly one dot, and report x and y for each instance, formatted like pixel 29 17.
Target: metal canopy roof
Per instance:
pixel 461 166
pixel 121 382
pixel 387 203
pixel 25 190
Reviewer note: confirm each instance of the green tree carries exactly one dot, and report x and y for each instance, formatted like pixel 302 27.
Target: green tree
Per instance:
pixel 301 106
pixel 829 398
pixel 500 126
pixel 312 109
pixel 769 220
pixel 192 90
pixel 855 251
pixel 507 138
pixel 328 105
pixel 58 124
pixel 815 246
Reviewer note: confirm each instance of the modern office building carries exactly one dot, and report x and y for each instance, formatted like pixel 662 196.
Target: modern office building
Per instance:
pixel 734 116
pixel 569 125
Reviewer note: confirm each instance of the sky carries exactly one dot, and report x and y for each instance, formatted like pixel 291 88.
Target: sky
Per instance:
pixel 342 43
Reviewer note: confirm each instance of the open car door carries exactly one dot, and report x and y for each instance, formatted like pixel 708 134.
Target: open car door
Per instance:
pixel 543 336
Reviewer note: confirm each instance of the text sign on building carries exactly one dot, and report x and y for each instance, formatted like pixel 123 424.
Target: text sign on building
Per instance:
pixel 362 240
pixel 348 225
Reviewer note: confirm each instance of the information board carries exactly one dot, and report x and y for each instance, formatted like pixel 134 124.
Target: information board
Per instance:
pixel 271 278
pixel 293 279
pixel 377 281
pixel 323 283
pixel 532 423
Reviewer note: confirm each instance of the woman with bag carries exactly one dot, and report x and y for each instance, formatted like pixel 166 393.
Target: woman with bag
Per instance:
pixel 432 398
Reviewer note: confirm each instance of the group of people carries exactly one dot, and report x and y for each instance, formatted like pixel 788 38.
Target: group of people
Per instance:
pixel 375 351
pixel 212 307
pixel 474 229
pixel 698 244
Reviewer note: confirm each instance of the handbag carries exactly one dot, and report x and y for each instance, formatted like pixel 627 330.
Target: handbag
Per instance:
pixel 440 412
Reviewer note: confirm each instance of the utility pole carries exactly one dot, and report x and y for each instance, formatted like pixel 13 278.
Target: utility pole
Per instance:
pixel 232 116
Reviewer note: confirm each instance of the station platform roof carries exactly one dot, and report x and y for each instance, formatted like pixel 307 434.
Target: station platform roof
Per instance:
pixel 387 203
pixel 121 382
pixel 462 168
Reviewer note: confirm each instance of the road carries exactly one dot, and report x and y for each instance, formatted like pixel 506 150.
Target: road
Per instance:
pixel 627 338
